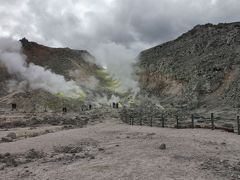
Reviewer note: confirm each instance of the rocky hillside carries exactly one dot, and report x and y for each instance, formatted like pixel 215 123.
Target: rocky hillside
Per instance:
pixel 201 68
pixel 77 65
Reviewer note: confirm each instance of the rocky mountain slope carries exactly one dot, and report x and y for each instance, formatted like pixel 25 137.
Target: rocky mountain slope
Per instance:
pixel 77 65
pixel 200 69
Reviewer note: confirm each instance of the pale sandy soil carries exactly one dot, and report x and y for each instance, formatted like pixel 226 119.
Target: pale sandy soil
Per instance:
pixel 30 131
pixel 123 152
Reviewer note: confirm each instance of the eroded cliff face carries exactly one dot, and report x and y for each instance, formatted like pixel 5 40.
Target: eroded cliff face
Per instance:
pixel 201 68
pixel 73 65
pixel 60 60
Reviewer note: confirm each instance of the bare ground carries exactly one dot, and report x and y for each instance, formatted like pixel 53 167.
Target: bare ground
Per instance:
pixel 112 150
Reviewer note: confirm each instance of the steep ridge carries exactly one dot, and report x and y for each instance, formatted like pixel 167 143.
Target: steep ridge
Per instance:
pixel 60 60
pixel 200 69
pixel 77 65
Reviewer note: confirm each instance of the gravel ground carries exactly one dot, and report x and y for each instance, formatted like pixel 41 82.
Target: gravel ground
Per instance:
pixel 112 150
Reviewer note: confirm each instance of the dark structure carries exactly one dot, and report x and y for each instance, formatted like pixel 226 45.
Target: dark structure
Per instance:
pixel 113 104
pixel 14 106
pixel 117 105
pixel 90 107
pixel 64 109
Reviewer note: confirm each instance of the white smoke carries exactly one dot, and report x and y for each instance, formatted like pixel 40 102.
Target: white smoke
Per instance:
pixel 84 81
pixel 104 100
pixel 36 76
pixel 114 99
pixel 14 85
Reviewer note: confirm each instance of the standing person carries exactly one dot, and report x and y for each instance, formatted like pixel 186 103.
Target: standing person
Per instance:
pixel 14 106
pixel 64 109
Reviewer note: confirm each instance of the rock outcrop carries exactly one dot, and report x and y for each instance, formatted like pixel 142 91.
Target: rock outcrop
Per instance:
pixel 77 65
pixel 201 68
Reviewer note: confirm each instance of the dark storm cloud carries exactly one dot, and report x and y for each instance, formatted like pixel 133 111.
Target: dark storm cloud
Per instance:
pixel 122 22
pixel 156 21
pixel 115 31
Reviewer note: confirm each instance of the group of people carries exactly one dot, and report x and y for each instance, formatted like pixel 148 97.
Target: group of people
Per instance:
pixel 84 108
pixel 115 105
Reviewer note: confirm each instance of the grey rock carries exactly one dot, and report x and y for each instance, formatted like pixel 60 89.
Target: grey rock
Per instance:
pixel 228 125
pixel 202 62
pixel 34 154
pixel 2 166
pixel 162 146
pixel 12 135
pixel 7 139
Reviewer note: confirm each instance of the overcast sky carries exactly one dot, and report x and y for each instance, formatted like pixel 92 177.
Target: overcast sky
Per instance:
pixel 114 31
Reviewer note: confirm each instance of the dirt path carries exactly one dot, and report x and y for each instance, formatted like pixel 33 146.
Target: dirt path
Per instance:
pixel 117 151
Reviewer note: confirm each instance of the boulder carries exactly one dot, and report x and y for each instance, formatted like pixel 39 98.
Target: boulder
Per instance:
pixel 228 125
pixel 2 166
pixel 7 139
pixel 162 146
pixel 12 135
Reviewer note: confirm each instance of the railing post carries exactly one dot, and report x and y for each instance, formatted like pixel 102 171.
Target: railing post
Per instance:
pixel 212 121
pixel 177 122
pixel 163 121
pixel 192 121
pixel 238 125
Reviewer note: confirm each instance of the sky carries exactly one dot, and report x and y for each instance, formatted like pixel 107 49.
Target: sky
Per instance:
pixel 114 31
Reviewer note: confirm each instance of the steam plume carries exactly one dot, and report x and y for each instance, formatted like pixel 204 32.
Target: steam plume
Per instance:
pixel 36 76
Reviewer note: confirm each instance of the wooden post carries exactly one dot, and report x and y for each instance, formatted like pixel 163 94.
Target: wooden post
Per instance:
pixel 212 121
pixel 151 121
pixel 177 122
pixel 163 121
pixel 192 121
pixel 238 125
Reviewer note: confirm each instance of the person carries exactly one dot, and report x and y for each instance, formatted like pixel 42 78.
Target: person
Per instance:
pixel 64 110
pixel 114 104
pixel 14 106
pixel 90 106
